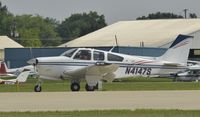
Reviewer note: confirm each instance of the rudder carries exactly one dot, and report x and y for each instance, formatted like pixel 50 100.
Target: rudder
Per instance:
pixel 179 50
pixel 3 68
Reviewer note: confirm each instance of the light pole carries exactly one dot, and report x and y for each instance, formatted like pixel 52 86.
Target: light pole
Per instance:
pixel 185 12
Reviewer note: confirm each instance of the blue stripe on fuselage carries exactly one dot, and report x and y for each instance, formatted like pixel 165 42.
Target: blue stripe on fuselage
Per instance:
pixel 120 65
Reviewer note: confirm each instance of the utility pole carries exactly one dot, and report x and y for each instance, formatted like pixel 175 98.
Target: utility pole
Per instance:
pixel 185 11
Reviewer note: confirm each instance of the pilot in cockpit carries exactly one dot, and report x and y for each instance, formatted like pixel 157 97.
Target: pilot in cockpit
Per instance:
pixel 83 55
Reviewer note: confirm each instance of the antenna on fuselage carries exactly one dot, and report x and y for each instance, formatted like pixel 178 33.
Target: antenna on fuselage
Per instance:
pixel 116 42
pixel 117 45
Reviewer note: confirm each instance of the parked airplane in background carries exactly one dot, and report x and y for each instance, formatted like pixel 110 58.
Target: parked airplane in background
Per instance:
pixel 191 74
pixel 94 65
pixel 21 78
pixel 4 71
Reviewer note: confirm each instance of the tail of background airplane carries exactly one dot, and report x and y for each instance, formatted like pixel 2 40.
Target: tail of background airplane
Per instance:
pixel 3 68
pixel 179 50
pixel 22 77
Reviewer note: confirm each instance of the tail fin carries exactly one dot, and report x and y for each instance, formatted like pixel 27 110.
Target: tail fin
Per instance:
pixel 3 68
pixel 23 76
pixel 179 50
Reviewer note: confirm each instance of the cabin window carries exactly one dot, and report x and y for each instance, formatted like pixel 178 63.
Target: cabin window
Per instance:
pixel 196 52
pixel 98 55
pixel 69 53
pixel 83 55
pixel 112 57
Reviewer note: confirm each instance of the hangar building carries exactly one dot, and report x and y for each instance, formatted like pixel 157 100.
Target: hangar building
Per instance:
pixel 153 33
pixel 6 42
pixel 142 33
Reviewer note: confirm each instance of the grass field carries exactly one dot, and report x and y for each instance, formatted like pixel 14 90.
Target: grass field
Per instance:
pixel 131 84
pixel 107 113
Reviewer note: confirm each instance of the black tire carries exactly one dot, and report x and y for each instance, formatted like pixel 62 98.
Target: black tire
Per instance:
pixel 89 88
pixel 75 86
pixel 37 88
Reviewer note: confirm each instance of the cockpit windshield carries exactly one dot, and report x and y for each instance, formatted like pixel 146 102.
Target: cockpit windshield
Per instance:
pixel 69 53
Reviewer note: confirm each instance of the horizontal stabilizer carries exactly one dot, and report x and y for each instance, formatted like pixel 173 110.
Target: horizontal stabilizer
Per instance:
pixel 171 64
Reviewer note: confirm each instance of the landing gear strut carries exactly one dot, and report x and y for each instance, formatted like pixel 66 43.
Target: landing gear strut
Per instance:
pixel 38 87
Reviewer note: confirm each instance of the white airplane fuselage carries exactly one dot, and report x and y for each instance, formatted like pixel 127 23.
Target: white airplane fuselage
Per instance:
pixel 56 68
pixel 94 65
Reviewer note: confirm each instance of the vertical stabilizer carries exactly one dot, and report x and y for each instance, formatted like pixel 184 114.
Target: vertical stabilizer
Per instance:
pixel 179 50
pixel 3 68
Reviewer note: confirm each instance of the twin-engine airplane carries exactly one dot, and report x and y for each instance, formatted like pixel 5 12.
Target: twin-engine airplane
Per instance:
pixel 94 65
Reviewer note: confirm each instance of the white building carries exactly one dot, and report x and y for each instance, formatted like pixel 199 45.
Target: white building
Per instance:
pixel 152 33
pixel 6 42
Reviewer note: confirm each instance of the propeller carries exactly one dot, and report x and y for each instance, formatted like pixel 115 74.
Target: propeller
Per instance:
pixel 33 61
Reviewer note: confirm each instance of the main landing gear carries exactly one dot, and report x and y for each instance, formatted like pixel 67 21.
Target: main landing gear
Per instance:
pixel 76 87
pixel 89 88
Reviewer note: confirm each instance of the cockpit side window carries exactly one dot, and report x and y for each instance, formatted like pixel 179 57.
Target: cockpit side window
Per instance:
pixel 98 55
pixel 69 53
pixel 83 55
pixel 112 57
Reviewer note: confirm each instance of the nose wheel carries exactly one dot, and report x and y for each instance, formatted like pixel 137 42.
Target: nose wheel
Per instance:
pixel 37 88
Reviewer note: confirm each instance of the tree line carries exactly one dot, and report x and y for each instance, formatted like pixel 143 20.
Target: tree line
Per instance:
pixel 37 31
pixel 160 15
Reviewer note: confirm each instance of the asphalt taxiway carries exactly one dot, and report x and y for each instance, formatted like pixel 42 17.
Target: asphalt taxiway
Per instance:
pixel 99 100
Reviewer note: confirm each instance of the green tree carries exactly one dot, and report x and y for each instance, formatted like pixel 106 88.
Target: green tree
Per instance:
pixel 193 15
pixel 27 27
pixel 80 24
pixel 48 35
pixel 41 30
pixel 6 19
pixel 29 37
pixel 160 15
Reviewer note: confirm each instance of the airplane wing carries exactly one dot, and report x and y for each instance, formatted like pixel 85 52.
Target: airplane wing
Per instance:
pixel 193 62
pixel 93 73
pixel 22 77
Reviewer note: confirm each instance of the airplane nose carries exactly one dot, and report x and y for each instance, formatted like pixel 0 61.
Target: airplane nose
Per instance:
pixel 33 61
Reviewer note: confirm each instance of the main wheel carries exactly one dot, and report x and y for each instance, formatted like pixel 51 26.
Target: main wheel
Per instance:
pixel 89 88
pixel 75 86
pixel 37 88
